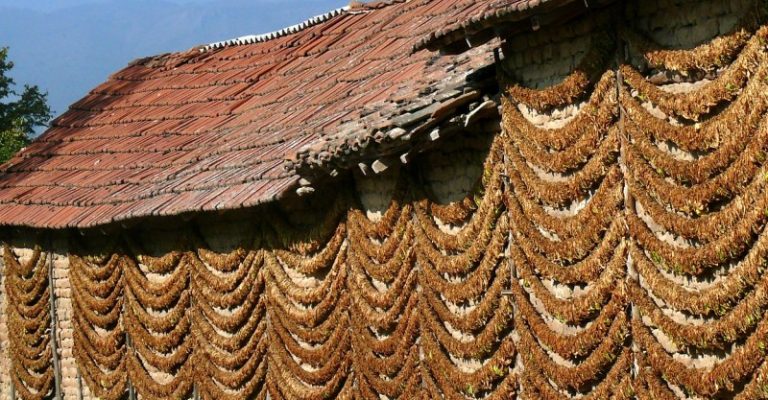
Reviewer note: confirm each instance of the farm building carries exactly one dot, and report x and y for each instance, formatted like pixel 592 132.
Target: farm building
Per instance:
pixel 461 199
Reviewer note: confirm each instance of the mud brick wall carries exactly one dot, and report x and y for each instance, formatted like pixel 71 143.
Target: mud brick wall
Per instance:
pixel 686 23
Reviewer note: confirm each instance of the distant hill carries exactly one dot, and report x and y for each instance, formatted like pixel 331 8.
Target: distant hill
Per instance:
pixel 69 50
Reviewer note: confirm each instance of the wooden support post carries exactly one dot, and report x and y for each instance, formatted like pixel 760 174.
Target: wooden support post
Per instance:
pixel 12 389
pixel 52 306
pixel 622 57
pixel 506 187
pixel 79 385
pixel 129 346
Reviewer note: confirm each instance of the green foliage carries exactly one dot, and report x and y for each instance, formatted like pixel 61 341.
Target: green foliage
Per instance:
pixel 20 112
pixel 11 141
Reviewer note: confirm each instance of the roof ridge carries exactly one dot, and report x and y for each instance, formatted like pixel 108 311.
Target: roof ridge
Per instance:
pixel 264 37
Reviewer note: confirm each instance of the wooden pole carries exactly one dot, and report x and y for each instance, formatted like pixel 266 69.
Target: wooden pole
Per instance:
pixel 131 392
pixel 79 385
pixel 129 347
pixel 507 188
pixel 54 345
pixel 13 388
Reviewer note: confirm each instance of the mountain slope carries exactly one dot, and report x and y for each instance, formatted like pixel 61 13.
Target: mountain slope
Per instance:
pixel 67 51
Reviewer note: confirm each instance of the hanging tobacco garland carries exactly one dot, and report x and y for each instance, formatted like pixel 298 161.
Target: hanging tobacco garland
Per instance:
pixel 718 53
pixel 466 266
pixel 29 323
pixel 383 284
pixel 99 333
pixel 157 322
pixel 229 323
pixel 310 341
pixel 697 223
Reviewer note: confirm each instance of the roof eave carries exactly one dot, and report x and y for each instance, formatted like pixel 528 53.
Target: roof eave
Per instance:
pixel 507 22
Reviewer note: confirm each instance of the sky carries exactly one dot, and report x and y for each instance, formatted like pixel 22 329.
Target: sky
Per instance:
pixel 49 5
pixel 68 47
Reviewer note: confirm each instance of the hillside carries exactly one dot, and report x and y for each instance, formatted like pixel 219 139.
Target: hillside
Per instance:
pixel 67 50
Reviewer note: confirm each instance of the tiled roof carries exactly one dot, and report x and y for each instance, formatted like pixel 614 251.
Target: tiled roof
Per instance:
pixel 223 127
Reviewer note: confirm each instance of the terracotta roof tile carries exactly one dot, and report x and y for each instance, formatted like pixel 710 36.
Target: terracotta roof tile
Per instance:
pixel 226 127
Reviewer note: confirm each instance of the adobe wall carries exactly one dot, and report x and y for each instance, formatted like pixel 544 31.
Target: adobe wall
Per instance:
pixel 541 59
pixel 686 23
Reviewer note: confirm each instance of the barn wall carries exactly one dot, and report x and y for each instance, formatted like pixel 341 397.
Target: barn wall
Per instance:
pixel 403 272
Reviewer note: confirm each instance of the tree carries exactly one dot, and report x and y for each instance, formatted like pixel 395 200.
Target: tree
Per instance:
pixel 20 113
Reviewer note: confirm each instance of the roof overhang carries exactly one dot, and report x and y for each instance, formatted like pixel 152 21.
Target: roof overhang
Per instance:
pixel 506 19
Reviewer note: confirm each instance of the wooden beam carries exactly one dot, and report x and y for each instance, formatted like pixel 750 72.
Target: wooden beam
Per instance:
pixel 477 113
pixel 129 347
